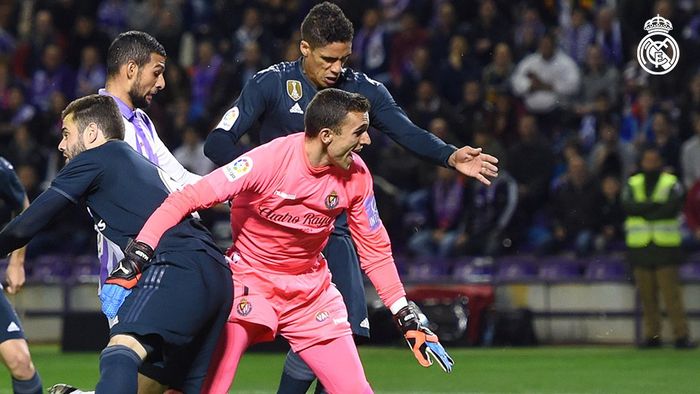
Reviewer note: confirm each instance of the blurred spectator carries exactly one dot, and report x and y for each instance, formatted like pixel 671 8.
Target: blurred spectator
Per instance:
pixel 403 43
pixel 546 80
pixel 231 79
pixel 576 35
pixel 636 125
pixel 470 110
pixel 419 68
pixel 53 75
pixel 609 35
pixel 443 28
pixel 489 213
pixel 17 112
pixel 691 214
pixel 370 48
pixel 666 142
pixel 428 105
pixel 24 150
pixel 84 34
pixel 689 106
pixel 531 163
pixel 574 228
pixel 447 201
pixel 252 30
pixel 92 73
pixel 204 75
pixel 496 75
pixel 489 29
pixel 652 201
pixel 111 17
pixel 8 31
pixel 598 77
pixel 502 120
pixel 441 128
pixel 191 153
pixel 28 56
pixel 528 32
pixel 178 85
pixel 690 155
pixel 611 156
pixel 278 18
pixel 588 126
pixel 456 70
pixel 610 232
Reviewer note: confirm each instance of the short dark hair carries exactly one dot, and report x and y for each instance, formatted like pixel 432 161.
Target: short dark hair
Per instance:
pixel 329 108
pixel 132 45
pixel 98 109
pixel 326 24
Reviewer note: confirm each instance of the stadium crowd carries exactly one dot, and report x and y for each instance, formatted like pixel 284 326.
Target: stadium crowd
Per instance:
pixel 552 88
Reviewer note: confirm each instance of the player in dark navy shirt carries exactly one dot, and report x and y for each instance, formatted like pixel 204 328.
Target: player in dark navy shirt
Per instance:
pixel 277 97
pixel 14 350
pixel 165 304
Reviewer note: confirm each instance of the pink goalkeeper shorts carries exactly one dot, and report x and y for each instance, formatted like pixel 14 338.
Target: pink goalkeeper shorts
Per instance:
pixel 305 308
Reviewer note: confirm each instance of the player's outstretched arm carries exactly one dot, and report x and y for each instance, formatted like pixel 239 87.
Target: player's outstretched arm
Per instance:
pixel 425 345
pixel 472 162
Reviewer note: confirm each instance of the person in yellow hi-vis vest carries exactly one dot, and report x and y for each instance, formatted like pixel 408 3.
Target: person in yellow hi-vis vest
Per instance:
pixel 653 201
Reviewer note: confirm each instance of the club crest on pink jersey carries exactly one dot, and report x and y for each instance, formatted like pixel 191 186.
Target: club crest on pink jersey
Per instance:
pixel 321 316
pixel 244 307
pixel 332 200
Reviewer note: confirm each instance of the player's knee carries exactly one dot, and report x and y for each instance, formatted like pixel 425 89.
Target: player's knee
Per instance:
pixel 20 364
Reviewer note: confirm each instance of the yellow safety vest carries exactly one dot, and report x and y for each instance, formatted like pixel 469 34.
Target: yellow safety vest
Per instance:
pixel 664 232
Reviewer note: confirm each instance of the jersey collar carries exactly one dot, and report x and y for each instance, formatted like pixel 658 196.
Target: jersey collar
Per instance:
pixel 127 112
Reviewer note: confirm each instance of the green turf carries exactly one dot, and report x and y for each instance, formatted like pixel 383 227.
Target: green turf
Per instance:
pixel 392 370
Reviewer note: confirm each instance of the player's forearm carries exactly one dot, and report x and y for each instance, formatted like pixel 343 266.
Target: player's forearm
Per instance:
pixel 385 279
pixel 220 147
pixel 22 228
pixel 178 204
pixel 416 140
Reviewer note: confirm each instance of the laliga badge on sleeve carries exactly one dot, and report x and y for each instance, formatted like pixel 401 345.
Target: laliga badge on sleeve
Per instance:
pixel 228 119
pixel 238 168
pixel 658 52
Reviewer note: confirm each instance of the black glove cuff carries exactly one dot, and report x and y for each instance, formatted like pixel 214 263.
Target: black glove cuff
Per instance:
pixel 407 318
pixel 139 252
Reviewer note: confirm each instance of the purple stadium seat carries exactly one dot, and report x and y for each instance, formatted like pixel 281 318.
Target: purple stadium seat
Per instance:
pixel 426 268
pixel 512 269
pixel 561 269
pixel 608 268
pixel 86 269
pixel 50 269
pixel 690 271
pixel 473 270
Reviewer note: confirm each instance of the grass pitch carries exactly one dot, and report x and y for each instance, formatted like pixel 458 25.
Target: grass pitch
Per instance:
pixel 393 370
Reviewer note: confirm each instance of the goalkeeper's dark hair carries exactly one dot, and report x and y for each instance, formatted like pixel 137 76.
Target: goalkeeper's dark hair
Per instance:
pixel 329 108
pixel 98 109
pixel 326 24
pixel 132 45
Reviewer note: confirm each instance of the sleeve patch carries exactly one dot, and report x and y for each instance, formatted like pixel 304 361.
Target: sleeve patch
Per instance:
pixel 229 119
pixel 238 168
pixel 372 213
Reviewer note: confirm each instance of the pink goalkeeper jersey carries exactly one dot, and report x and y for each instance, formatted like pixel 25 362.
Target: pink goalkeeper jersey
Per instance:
pixel 283 211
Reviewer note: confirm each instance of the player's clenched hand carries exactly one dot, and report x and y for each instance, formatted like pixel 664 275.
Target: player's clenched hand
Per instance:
pixel 423 342
pixel 128 271
pixel 474 163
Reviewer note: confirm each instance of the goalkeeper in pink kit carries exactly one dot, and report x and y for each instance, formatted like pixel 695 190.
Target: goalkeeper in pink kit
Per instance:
pixel 285 197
